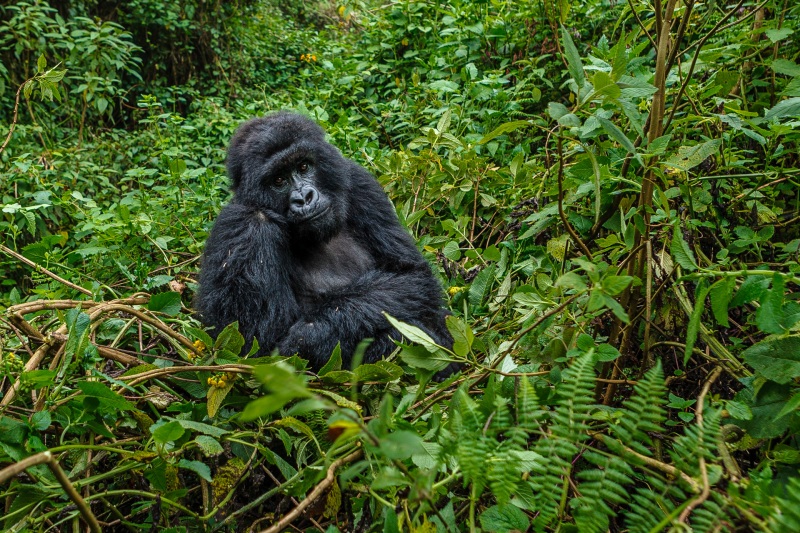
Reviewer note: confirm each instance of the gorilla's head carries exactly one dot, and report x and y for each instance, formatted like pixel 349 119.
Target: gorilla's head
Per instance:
pixel 281 163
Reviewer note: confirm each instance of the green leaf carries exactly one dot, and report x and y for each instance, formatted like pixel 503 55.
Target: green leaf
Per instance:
pixel 689 157
pixel 785 67
pixel 452 251
pixel 169 432
pixel 783 109
pixel 770 315
pixel 106 396
pixel 613 285
pixel 504 128
pixel 41 63
pixel 413 333
pixel 480 286
pixel 694 319
pixel 209 445
pixel 200 427
pixel 574 63
pixel 615 133
pixel 681 252
pixel 720 296
pixel 168 303
pixel 791 406
pixel 556 110
pixel 571 280
pixel 401 445
pixel 605 85
pixel 40 420
pixel 778 34
pixel 334 363
pixel 201 469
pixel 420 357
pixel 282 380
pixel 230 339
pixel 462 335
pixel 775 359
pixel 753 288
pixel 504 519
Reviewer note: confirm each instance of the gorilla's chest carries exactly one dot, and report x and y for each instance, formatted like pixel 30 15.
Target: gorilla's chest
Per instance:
pixel 329 268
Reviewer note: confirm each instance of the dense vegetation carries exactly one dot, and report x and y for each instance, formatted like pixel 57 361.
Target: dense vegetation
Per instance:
pixel 609 191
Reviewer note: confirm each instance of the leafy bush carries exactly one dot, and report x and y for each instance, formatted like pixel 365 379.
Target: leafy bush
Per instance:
pixel 613 215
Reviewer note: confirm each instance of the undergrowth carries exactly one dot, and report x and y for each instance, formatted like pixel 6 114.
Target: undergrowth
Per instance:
pixel 609 192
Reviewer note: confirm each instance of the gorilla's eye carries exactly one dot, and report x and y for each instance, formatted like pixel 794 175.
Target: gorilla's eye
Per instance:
pixel 279 181
pixel 303 167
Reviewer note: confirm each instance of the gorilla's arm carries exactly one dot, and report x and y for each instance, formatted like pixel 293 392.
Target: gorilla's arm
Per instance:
pixel 245 277
pixel 400 284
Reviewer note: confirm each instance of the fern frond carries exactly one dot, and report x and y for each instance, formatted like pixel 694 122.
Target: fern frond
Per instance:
pixel 529 410
pixel 697 442
pixel 714 515
pixel 649 506
pixel 547 477
pixel 786 517
pixel 643 412
pixel 575 400
pixel 600 487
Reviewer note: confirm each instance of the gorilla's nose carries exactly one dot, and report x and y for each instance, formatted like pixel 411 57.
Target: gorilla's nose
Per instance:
pixel 303 198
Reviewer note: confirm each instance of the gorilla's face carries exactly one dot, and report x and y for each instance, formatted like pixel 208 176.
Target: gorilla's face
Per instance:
pixel 282 164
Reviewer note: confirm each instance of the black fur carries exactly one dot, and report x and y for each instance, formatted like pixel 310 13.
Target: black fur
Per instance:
pixel 309 252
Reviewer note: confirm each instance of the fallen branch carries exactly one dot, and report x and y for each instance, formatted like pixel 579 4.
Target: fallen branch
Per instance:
pixel 47 458
pixel 321 487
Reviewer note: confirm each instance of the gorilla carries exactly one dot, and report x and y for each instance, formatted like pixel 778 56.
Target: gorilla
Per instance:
pixel 309 252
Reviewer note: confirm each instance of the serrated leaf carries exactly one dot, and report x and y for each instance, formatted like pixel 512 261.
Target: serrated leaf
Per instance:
pixel 694 320
pixel 689 157
pixel 169 432
pixel 605 85
pixel 681 252
pixel 412 333
pixel 556 110
pixel 720 297
pixel 504 128
pixel 783 109
pixel 105 395
pixel 334 363
pixel 201 469
pixel 615 133
pixel 209 445
pixel 775 359
pixel 504 519
pixel 574 64
pixel 480 286
pixel 215 396
pixel 230 339
pixel 168 303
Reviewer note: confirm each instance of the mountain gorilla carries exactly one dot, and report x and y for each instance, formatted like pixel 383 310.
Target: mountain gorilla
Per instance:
pixel 309 252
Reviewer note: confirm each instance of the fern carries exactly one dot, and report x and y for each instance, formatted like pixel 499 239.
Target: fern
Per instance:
pixel 697 442
pixel 575 400
pixel 568 428
pixel 529 412
pixel 601 486
pixel 786 518
pixel 714 515
pixel 643 412
pixel 650 506
pixel 472 446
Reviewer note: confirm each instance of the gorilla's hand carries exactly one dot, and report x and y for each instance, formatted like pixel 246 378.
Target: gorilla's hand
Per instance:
pixel 245 275
pixel 310 340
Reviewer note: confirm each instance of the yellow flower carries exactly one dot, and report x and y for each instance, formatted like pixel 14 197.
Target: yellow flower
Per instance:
pixel 452 291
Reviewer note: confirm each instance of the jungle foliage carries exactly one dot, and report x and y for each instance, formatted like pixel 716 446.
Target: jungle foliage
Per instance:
pixel 610 192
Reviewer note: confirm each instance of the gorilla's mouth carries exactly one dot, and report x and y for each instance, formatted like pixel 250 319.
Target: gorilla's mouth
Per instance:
pixel 312 215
